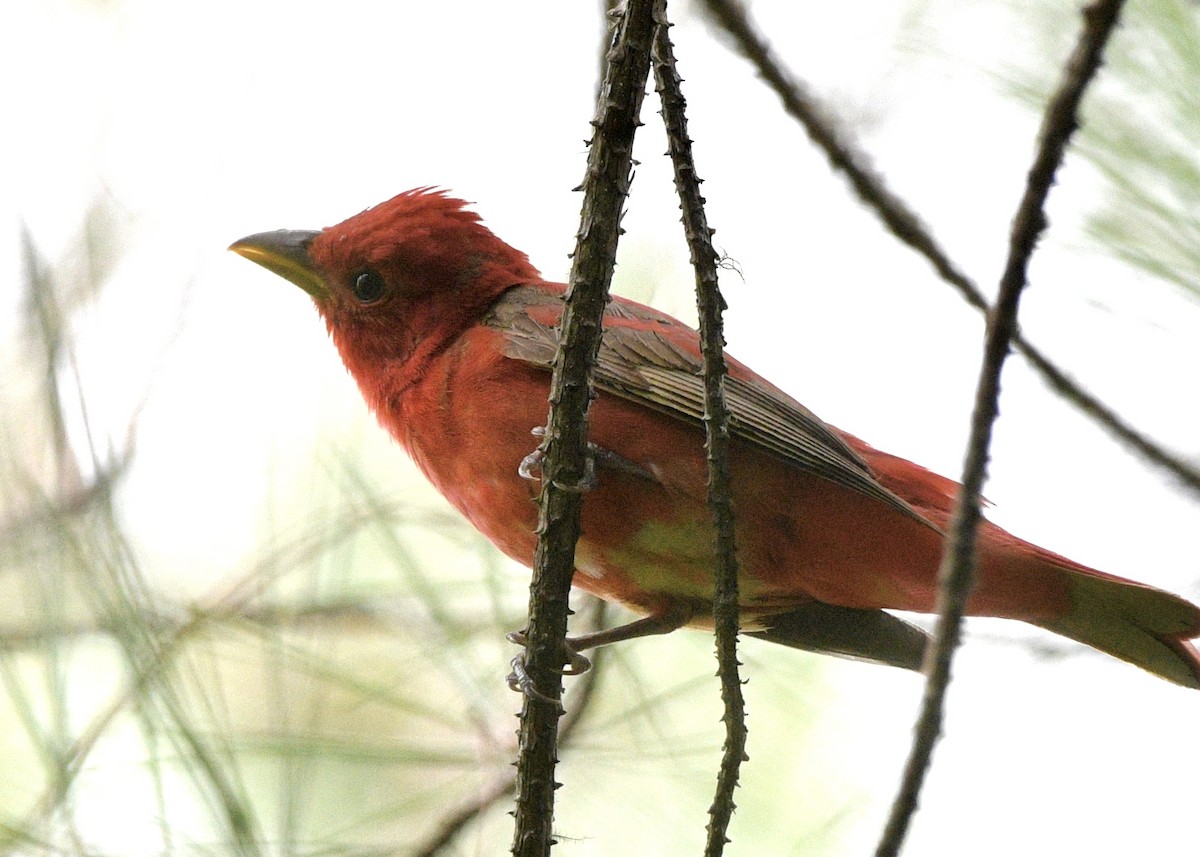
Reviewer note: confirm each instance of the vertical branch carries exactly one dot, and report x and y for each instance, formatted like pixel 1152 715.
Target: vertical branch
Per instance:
pixel 716 426
pixel 958 561
pixel 565 467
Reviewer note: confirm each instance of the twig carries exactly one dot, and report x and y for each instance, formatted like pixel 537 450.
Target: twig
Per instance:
pixel 565 465
pixel 47 317
pixel 958 561
pixel 71 502
pixel 716 427
pixel 904 223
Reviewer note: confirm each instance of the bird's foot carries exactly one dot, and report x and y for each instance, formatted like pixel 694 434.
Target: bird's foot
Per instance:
pixel 575 663
pixel 598 456
pixel 531 467
pixel 520 680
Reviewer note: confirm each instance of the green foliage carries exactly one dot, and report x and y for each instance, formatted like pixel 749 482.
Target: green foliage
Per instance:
pixel 1140 126
pixel 1145 147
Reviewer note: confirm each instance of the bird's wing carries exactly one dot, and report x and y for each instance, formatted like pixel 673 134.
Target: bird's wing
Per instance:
pixel 653 359
pixel 864 635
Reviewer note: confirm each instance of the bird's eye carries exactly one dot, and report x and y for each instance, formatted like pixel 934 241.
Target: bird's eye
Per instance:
pixel 368 287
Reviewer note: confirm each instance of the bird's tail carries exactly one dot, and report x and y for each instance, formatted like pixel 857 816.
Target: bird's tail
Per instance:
pixel 1134 622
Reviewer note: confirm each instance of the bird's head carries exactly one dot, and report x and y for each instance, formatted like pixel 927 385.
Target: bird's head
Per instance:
pixel 397 280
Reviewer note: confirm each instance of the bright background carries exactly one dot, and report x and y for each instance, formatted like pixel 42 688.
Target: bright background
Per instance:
pixel 261 499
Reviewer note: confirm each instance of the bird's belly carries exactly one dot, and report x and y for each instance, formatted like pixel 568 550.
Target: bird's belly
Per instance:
pixel 638 546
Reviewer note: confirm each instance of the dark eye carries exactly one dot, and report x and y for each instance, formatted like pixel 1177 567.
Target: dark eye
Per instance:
pixel 368 287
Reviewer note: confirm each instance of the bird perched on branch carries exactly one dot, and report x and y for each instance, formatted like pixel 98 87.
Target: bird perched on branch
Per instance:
pixel 451 335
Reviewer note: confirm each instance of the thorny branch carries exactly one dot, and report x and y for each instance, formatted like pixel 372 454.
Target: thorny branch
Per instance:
pixel 564 467
pixel 716 428
pixel 958 561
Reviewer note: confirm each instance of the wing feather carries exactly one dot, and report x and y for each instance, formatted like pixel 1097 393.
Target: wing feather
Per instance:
pixel 639 362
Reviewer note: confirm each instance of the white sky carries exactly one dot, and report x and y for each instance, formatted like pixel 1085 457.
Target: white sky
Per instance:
pixel 203 123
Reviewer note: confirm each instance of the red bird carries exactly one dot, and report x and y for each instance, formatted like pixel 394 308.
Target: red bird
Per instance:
pixel 450 334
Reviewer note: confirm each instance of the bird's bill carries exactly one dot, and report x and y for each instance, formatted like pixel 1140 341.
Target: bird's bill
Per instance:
pixel 285 252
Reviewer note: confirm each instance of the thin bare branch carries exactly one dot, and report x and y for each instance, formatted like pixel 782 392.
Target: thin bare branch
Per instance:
pixel 958 562
pixel 565 467
pixel 716 427
pixel 845 157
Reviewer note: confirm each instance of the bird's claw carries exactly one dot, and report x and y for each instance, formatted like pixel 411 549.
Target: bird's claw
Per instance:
pixel 520 680
pixel 576 664
pixel 531 467
pixel 587 483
